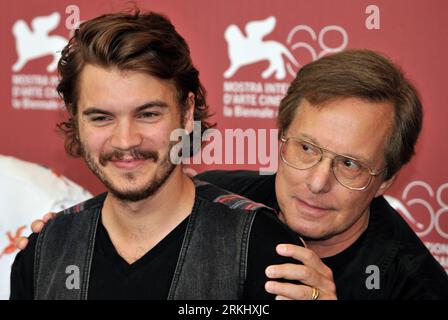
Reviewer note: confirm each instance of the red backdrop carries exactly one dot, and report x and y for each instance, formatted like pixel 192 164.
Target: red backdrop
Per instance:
pixel 412 33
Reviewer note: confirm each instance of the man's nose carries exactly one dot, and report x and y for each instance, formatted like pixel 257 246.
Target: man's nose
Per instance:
pixel 126 135
pixel 320 177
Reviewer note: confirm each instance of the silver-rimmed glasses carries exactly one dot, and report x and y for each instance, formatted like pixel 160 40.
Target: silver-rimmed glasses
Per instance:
pixel 350 172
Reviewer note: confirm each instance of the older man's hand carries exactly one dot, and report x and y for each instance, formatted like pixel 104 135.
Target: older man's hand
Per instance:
pixel 315 277
pixel 36 227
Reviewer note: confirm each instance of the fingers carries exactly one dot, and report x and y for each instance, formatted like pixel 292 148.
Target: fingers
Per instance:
pixel 306 256
pixel 48 216
pixel 21 243
pixel 302 273
pixel 37 225
pixel 288 291
pixel 313 273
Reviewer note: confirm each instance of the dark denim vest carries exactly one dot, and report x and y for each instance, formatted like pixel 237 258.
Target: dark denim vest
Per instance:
pixel 212 263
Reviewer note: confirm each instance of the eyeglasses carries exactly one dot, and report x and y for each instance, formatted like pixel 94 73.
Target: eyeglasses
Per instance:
pixel 350 172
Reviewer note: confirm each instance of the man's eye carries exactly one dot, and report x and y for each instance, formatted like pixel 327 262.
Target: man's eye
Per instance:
pixel 148 115
pixel 99 118
pixel 351 164
pixel 307 148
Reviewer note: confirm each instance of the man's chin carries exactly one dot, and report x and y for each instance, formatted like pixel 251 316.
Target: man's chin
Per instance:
pixel 142 193
pixel 311 237
pixel 309 232
pixel 314 235
pixel 132 196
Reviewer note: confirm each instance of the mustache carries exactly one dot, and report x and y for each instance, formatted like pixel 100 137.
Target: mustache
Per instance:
pixel 136 154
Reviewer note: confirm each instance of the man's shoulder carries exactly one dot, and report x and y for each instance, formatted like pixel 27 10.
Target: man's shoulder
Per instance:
pixel 63 230
pixel 270 228
pixel 231 178
pixel 406 257
pixel 265 220
pixel 391 234
pixel 22 271
pixel 79 210
pixel 86 205
pixel 73 221
pixel 212 193
pixel 251 184
pixel 387 222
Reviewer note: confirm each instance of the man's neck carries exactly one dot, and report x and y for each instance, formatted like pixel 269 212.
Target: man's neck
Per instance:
pixel 136 227
pixel 340 242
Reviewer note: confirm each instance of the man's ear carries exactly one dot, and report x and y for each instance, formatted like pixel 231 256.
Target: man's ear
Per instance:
pixel 189 113
pixel 385 185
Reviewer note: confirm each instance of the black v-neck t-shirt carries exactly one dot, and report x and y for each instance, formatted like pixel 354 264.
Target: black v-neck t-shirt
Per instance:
pixel 112 277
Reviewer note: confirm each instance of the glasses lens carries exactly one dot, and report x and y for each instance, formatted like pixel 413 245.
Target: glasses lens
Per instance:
pixel 300 154
pixel 351 173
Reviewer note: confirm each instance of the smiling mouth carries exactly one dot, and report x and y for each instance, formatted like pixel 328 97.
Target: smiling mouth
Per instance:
pixel 131 158
pixel 128 164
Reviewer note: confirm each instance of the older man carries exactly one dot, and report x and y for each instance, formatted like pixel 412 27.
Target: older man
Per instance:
pixel 347 125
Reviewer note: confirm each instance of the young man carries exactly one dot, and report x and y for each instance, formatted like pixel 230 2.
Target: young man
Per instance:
pixel 347 125
pixel 127 81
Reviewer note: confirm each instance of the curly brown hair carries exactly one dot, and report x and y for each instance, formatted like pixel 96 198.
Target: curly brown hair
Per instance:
pixel 144 42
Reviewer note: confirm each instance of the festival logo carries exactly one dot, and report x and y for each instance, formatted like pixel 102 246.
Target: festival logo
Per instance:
pixel 244 50
pixel 35 42
pixel 31 88
pixel 259 97
pixel 426 211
